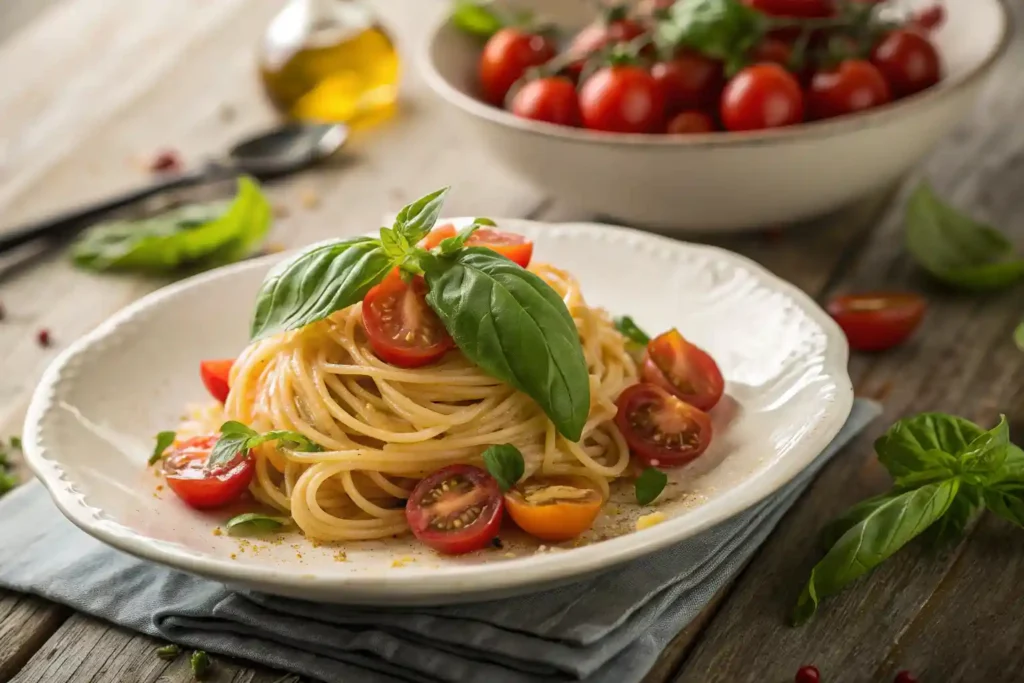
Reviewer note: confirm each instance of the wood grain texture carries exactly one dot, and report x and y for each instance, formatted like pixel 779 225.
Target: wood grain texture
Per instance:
pixel 26 622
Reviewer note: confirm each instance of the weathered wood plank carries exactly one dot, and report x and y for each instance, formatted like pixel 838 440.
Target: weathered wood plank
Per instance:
pixel 25 623
pixel 963 362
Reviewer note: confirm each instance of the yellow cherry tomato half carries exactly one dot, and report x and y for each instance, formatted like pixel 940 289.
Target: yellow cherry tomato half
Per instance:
pixel 554 508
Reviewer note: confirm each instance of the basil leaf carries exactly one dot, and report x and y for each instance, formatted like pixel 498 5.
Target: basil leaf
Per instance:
pixel 290 440
pixel 986 453
pixel 957 250
pixel 505 463
pixel 875 538
pixel 227 448
pixel 16 443
pixel 649 485
pixel 1018 336
pixel 1010 471
pixel 232 427
pixel 516 328
pixel 631 331
pixel 255 522
pixel 484 222
pixel 393 243
pixel 237 438
pixel 415 220
pixel 476 18
pixel 1007 504
pixel 962 510
pixel 325 278
pixel 168 652
pixel 163 440
pixel 449 245
pixel 721 29
pixel 835 529
pixel 923 448
pixel 202 235
pixel 200 663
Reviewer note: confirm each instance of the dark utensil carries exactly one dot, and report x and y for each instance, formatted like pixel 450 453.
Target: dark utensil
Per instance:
pixel 272 154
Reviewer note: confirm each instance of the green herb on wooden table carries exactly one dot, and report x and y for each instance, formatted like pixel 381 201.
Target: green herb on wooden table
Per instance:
pixel 201 663
pixel 194 235
pixel 7 479
pixel 945 470
pixel 168 652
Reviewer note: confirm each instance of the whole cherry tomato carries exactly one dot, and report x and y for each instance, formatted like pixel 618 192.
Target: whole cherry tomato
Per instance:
pixel 689 81
pixel 506 57
pixel 690 122
pixel 878 320
pixel 762 96
pixel 855 85
pixel 215 374
pixel 622 99
pixel 909 62
pixel 550 99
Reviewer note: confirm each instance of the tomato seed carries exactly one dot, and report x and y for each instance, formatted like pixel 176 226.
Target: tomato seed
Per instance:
pixel 807 674
pixel 905 677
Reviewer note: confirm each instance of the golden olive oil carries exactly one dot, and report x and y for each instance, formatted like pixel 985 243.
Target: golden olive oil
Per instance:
pixel 329 60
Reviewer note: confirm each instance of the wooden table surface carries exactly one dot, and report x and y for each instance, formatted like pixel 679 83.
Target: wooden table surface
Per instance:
pixel 92 87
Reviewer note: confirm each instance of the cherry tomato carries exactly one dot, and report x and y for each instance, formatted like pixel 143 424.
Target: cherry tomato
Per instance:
pixel 403 330
pixel 909 62
pixel 215 375
pixel 877 321
pixel 690 122
pixel 794 8
pixel 683 369
pixel 456 509
pixel 660 429
pixel 554 508
pixel 506 57
pixel 855 85
pixel 622 99
pixel 762 96
pixel 772 50
pixel 186 474
pixel 807 674
pixel 609 30
pixel 929 18
pixel 689 81
pixel 548 99
pixel 511 245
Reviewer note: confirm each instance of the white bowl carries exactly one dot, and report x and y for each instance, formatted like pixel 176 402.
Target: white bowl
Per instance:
pixel 92 420
pixel 725 181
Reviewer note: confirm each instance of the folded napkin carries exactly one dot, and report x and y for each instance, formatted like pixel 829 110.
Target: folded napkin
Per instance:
pixel 608 629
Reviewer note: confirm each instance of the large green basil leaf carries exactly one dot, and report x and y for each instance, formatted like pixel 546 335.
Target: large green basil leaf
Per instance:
pixel 956 249
pixel 925 447
pixel 882 532
pixel 835 529
pixel 202 235
pixel 514 326
pixel 324 278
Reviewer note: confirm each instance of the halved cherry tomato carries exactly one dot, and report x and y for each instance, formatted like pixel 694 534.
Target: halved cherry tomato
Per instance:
pixel 855 85
pixel 550 99
pixel 506 57
pixel 762 96
pixel 879 320
pixel 186 474
pixel 622 99
pixel 456 509
pixel 909 62
pixel 794 8
pixel 660 429
pixel 689 81
pixel 403 330
pixel 215 375
pixel 511 245
pixel 690 122
pixel 683 369
pixel 554 508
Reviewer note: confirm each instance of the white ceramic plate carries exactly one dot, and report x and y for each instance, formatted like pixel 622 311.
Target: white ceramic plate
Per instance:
pixel 92 420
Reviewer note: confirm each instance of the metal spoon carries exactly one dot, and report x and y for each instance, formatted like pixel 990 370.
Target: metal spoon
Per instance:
pixel 271 154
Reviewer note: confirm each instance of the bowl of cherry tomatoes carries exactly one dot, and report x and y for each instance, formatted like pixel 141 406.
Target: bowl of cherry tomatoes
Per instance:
pixel 714 115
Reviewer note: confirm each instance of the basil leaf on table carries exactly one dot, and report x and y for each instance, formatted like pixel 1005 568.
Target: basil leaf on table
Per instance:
pixel 886 529
pixel 923 448
pixel 505 463
pixel 515 327
pixel 206 235
pixel 237 438
pixel 163 440
pixel 962 510
pixel 250 522
pixel 956 249
pixel 835 529
pixel 721 29
pixel 312 285
pixel 476 18
pixel 1018 336
pixel 649 485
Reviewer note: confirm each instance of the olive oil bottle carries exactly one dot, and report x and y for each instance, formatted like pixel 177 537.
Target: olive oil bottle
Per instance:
pixel 329 61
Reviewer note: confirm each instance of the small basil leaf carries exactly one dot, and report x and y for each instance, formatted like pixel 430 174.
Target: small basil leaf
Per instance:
pixel 200 663
pixel 875 538
pixel 505 463
pixel 291 440
pixel 476 18
pixel 485 222
pixel 649 485
pixel 227 448
pixel 393 243
pixel 450 245
pixel 1009 474
pixel 201 235
pixel 631 331
pixel 232 427
pixel 323 279
pixel 721 29
pixel 925 447
pixel 986 453
pixel 415 220
pixel 255 522
pixel 168 652
pixel 957 250
pixel 1007 504
pixel 163 440
pixel 16 443
pixel 516 328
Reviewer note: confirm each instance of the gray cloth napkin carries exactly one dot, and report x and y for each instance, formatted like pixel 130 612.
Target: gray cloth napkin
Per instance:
pixel 608 629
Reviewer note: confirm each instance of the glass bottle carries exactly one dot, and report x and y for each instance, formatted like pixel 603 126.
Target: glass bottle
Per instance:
pixel 330 61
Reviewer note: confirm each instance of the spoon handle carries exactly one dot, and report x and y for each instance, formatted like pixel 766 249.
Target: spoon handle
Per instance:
pixel 65 222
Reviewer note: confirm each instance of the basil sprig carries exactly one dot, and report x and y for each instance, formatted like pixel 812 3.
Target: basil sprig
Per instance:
pixel 237 438
pixel 515 327
pixel 945 470
pixel 957 250
pixel 505 463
